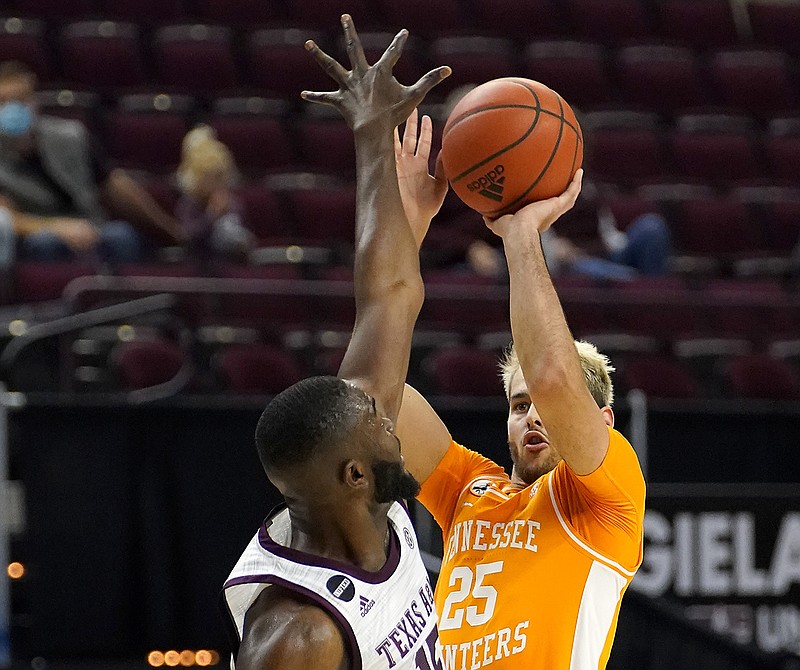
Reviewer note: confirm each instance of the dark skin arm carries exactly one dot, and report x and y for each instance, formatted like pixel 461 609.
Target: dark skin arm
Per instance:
pixel 281 630
pixel 136 204
pixel 388 287
pixel 284 631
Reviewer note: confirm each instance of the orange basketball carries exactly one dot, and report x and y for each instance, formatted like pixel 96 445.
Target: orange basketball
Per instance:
pixel 509 142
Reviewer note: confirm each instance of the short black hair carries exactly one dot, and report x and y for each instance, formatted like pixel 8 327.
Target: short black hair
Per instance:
pixel 314 412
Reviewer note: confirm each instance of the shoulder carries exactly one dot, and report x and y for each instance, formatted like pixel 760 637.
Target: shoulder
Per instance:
pixel 286 630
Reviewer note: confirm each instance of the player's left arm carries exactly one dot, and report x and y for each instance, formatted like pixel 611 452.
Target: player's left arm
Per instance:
pixel 388 287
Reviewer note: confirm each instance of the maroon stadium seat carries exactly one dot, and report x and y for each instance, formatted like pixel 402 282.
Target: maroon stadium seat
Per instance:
pixel 474 60
pixel 323 14
pixel 262 213
pixel 254 129
pixel 658 377
pixel 322 214
pixel 775 24
pixel 520 19
pixel 782 144
pixel 716 148
pixel 463 371
pixel 325 142
pixel 609 21
pixel 756 82
pixel 146 131
pixel 577 70
pixel 247 13
pixel 36 281
pixel 759 376
pixel 256 368
pixel 140 364
pixel 198 57
pixel 277 62
pixel 102 54
pixel 23 40
pixel 701 25
pixel 57 9
pixel 145 12
pixel 659 77
pixel 426 18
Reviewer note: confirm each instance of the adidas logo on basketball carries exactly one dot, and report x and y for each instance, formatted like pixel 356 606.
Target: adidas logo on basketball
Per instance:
pixel 490 185
pixel 366 605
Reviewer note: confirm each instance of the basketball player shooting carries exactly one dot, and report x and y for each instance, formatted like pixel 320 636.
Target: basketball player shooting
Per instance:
pixel 334 579
pixel 535 565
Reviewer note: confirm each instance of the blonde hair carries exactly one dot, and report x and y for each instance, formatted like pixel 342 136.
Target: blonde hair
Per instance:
pixel 202 152
pixel 596 367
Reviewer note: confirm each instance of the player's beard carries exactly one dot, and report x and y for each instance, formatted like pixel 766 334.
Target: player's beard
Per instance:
pixel 393 482
pixel 530 472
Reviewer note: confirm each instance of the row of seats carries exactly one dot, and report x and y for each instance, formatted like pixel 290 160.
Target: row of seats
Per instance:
pixel 209 59
pixel 662 308
pixel 706 23
pixel 455 371
pixel 144 131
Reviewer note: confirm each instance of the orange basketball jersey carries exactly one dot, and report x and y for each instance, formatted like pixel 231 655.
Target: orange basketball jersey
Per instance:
pixel 533 578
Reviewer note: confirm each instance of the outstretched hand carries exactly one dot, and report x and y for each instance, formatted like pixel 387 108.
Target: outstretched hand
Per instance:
pixel 541 214
pixel 369 95
pixel 422 193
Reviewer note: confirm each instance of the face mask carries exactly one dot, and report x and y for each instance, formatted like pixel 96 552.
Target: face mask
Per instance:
pixel 15 118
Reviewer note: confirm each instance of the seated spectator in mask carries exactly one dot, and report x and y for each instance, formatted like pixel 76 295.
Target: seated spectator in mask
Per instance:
pixel 52 179
pixel 208 211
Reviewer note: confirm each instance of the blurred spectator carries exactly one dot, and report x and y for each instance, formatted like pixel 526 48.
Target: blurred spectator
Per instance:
pixel 643 249
pixel 208 211
pixel 52 177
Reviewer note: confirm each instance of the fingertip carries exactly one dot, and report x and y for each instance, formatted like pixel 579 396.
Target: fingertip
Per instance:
pixel 346 18
pixel 446 71
pixel 309 45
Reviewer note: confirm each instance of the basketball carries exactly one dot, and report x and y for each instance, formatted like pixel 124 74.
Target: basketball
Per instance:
pixel 509 142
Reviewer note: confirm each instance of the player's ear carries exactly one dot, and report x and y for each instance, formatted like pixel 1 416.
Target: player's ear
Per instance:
pixel 608 416
pixel 354 474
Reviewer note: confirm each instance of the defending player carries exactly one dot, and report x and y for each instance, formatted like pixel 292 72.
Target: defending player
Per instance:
pixel 334 580
pixel 535 565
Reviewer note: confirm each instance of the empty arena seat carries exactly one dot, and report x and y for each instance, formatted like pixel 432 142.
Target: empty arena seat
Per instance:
pixel 256 368
pixel 247 13
pixel 577 70
pixel 609 21
pixel 145 12
pixel 102 54
pixel 659 77
pixel 474 59
pixel 782 145
pixel 255 130
pixel 57 9
pixel 701 25
pixel 759 376
pixel 35 281
pixel 322 126
pixel 263 213
pixel 322 213
pixel 717 148
pixel 757 82
pixel 197 57
pixel 463 371
pixel 658 376
pixel 715 226
pixel 146 131
pixel 775 24
pixel 66 103
pixel 623 145
pixel 520 19
pixel 278 62
pixel 145 363
pixel 426 18
pixel 23 40
pixel 326 13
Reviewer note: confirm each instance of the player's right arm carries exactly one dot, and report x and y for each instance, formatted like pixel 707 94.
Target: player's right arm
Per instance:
pixel 284 632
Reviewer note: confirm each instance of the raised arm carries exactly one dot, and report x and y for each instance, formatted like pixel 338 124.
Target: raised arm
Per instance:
pixel 388 287
pixel 422 433
pixel 544 344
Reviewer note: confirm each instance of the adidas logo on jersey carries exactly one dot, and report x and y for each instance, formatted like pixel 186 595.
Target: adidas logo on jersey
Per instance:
pixel 366 605
pixel 491 184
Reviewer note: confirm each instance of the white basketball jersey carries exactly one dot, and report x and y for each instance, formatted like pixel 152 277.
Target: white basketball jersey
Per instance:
pixel 387 617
